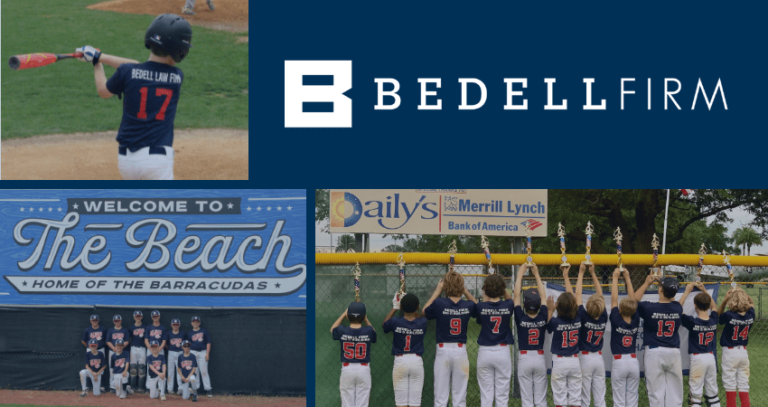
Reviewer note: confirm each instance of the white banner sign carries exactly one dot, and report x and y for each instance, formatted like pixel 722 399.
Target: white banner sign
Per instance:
pixel 490 212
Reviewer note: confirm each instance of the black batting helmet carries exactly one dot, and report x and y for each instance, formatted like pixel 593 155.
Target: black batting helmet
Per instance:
pixel 171 35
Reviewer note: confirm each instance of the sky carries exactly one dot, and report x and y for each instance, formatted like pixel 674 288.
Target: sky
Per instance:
pixel 740 218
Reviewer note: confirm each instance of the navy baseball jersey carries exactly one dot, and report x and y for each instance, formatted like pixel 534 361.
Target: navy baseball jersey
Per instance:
pixel 592 330
pixel 198 339
pixel 452 319
pixel 565 335
pixel 408 335
pixel 174 340
pixel 736 329
pixel 495 318
pixel 186 363
pixel 156 332
pixel 530 331
pixel 623 334
pixel 100 334
pixel 661 323
pixel 137 336
pixel 114 334
pixel 151 92
pixel 120 362
pixel 157 362
pixel 355 343
pixel 95 362
pixel 702 335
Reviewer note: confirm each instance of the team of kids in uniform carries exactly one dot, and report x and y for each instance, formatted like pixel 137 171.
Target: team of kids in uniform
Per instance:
pixel 137 358
pixel 576 329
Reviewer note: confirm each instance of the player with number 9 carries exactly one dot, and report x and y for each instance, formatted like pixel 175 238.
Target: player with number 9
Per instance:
pixel 151 90
pixel 565 328
pixel 531 365
pixel 625 323
pixel 356 340
pixel 407 346
pixel 702 332
pixel 452 313
pixel 737 320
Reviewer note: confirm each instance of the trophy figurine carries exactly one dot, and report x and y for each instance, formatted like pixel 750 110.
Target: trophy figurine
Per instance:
pixel 452 251
pixel 356 271
pixel 528 233
pixel 702 252
pixel 401 264
pixel 561 233
pixel 618 237
pixel 727 261
pixel 484 245
pixel 588 231
pixel 655 245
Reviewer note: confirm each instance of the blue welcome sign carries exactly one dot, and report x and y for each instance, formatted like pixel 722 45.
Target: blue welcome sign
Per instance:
pixel 190 248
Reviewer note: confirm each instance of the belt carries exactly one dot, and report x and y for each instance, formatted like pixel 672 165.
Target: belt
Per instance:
pixel 566 356
pixel 737 347
pixel 705 353
pixel 152 150
pixel 667 347
pixel 525 352
pixel 397 356
pixel 461 345
pixel 347 364
pixel 617 357
pixel 586 352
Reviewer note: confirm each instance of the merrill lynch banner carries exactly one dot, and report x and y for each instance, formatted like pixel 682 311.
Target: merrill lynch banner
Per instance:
pixel 490 212
pixel 210 248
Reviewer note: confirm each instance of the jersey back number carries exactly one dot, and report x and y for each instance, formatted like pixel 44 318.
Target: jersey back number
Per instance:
pixel 159 92
pixel 666 329
pixel 705 339
pixel 354 350
pixel 743 335
pixel 456 326
pixel 533 336
pixel 570 338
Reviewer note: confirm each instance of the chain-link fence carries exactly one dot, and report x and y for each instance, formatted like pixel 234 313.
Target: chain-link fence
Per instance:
pixel 335 290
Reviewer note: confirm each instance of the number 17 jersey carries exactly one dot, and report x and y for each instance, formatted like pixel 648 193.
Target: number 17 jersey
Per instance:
pixel 150 95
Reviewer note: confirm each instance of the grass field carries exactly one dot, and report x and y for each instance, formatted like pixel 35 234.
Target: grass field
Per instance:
pixel 382 393
pixel 62 98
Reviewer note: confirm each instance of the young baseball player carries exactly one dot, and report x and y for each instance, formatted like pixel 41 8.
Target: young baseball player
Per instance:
pixel 565 328
pixel 451 369
pixel 494 361
pixel 157 370
pixel 594 318
pixel 737 320
pixel 119 363
pixel 531 321
pixel 625 323
pixel 201 348
pixel 407 346
pixel 355 340
pixel 113 334
pixel 151 91
pixel 186 366
pixel 154 331
pixel 95 332
pixel 138 353
pixel 702 344
pixel 95 363
pixel 173 340
pixel 661 323
pixel 189 7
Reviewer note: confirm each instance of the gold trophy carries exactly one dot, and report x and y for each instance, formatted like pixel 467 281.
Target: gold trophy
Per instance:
pixel 401 264
pixel 484 245
pixel 357 272
pixel 561 233
pixel 702 252
pixel 655 245
pixel 452 251
pixel 588 231
pixel 618 237
pixel 727 261
pixel 528 233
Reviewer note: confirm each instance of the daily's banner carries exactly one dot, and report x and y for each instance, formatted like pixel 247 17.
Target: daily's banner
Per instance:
pixel 190 248
pixel 492 212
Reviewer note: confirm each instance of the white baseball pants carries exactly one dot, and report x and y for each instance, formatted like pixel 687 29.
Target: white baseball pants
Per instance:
pixel 117 383
pixel 141 164
pixel 494 373
pixel 532 376
pixel 138 356
pixel 187 387
pixel 408 380
pixel 592 378
pixel 202 370
pixel 84 374
pixel 108 359
pixel 155 384
pixel 664 377
pixel 625 380
pixel 735 369
pixel 173 359
pixel 702 375
pixel 451 374
pixel 566 381
pixel 355 385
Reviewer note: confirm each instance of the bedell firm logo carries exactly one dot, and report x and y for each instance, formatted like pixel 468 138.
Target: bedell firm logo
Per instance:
pixel 186 245
pixel 316 94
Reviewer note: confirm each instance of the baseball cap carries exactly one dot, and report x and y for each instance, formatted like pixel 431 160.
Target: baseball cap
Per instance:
pixel 117 318
pixel 93 342
pixel 195 318
pixel 670 285
pixel 175 321
pixel 154 343
pixel 119 342
pixel 137 313
pixel 185 343
pixel 531 300
pixel 356 309
pixel 94 317
pixel 409 303
pixel 155 313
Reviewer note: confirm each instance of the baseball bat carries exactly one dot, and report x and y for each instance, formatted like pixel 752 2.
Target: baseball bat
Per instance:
pixel 37 60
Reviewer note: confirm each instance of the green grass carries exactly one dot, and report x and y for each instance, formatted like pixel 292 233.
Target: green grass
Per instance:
pixel 62 98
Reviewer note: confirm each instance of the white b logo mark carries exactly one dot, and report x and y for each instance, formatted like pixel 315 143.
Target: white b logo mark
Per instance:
pixel 333 108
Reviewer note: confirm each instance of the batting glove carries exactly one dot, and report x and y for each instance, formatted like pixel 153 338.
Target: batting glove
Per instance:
pixel 396 301
pixel 90 54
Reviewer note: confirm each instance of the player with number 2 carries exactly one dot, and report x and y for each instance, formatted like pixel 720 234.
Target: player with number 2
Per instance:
pixel 531 365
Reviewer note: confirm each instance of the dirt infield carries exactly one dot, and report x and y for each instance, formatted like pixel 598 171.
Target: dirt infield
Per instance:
pixel 230 15
pixel 220 154
pixel 72 398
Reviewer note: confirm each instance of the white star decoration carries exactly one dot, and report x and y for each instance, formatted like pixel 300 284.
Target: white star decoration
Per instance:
pixel 269 208
pixel 41 209
pixel 289 208
pixel 50 209
pixel 22 209
pixel 249 209
pixel 74 206
pixel 258 208
pixel 229 205
pixel 59 209
pixel 31 209
pixel 279 208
